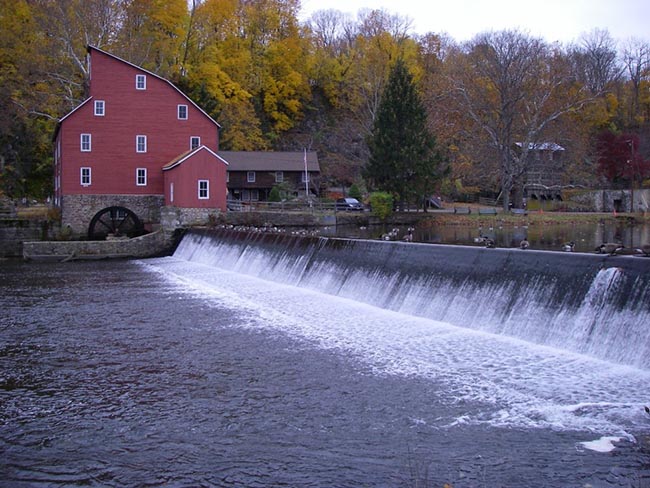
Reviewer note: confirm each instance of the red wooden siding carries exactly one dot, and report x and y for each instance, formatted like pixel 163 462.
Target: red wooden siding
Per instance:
pixel 184 175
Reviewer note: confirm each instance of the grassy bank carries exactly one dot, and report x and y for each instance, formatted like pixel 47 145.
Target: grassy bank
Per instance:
pixel 534 219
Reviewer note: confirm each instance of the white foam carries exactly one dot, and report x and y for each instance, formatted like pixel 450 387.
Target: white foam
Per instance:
pixel 604 444
pixel 510 382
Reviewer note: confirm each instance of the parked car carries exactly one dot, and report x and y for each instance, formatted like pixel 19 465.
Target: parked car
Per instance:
pixel 348 205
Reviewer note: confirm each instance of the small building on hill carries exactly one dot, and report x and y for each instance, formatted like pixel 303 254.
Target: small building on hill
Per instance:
pixel 545 170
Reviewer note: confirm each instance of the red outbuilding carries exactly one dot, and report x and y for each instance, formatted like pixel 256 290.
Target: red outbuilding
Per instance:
pixel 135 145
pixel 192 180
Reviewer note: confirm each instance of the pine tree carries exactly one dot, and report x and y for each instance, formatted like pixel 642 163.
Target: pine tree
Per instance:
pixel 404 157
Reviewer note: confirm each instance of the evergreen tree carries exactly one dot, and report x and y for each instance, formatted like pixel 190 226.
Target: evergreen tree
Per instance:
pixel 404 157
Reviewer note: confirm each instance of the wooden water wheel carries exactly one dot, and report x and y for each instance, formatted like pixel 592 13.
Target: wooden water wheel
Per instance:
pixel 115 221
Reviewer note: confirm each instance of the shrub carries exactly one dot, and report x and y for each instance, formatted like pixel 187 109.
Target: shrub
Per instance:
pixel 275 195
pixel 381 204
pixel 355 192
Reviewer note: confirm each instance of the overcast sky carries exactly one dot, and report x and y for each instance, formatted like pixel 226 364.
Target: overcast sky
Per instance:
pixel 554 20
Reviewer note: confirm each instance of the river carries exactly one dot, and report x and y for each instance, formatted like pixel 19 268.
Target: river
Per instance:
pixel 173 372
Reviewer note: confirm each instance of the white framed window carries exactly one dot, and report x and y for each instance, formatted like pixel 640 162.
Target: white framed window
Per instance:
pixel 86 142
pixel 100 108
pixel 85 175
pixel 141 176
pixel 195 141
pixel 140 82
pixel 204 189
pixel 182 112
pixel 141 144
pixel 305 177
pixel 279 176
pixel 250 176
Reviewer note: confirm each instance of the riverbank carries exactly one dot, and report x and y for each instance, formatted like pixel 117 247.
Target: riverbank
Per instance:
pixel 533 218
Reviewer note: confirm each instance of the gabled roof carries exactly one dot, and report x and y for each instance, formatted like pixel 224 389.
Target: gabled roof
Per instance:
pixel 58 125
pixel 89 48
pixel 270 160
pixel 188 154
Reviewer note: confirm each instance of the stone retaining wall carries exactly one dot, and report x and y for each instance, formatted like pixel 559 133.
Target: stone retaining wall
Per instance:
pixel 610 200
pixel 155 243
pixel 13 232
pixel 172 218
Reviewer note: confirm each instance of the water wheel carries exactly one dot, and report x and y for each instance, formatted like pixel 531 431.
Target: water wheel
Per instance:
pixel 116 221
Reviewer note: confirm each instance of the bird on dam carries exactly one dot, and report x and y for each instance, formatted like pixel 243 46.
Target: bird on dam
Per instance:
pixel 628 251
pixel 608 248
pixel 489 243
pixel 391 235
pixel 568 247
pixel 524 244
pixel 482 238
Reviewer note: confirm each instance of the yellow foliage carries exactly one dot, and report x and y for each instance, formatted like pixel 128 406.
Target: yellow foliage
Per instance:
pixel 241 129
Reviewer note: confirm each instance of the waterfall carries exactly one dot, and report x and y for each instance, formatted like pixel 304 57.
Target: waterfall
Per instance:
pixel 590 304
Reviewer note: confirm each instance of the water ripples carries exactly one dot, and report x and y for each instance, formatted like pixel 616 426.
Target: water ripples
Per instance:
pixel 120 374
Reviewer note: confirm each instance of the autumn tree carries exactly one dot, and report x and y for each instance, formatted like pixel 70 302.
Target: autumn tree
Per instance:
pixel 596 60
pixel 25 99
pixel 636 60
pixel 404 157
pixel 513 87
pixel 350 63
pixel 619 159
pixel 153 34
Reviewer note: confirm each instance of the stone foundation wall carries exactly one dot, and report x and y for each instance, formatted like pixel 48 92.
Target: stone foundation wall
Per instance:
pixel 172 218
pixel 14 231
pixel 78 210
pixel 610 200
pixel 153 244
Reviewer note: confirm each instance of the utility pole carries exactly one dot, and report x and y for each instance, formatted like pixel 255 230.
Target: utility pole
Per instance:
pixel 631 143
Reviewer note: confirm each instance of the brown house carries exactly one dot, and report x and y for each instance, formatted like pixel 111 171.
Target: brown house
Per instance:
pixel 252 174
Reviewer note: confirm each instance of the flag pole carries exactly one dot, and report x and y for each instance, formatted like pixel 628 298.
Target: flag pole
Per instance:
pixel 306 179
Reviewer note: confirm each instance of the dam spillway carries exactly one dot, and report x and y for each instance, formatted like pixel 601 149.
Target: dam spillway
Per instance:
pixel 597 305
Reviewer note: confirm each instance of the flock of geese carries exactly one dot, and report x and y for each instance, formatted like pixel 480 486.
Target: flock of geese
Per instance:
pixel 393 235
pixel 611 248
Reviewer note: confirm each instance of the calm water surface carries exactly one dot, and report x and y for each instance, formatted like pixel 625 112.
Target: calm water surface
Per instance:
pixel 138 374
pixel 547 237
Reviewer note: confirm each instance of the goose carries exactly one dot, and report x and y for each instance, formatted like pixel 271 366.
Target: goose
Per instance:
pixel 627 251
pixel 608 248
pixel 568 247
pixel 524 244
pixel 489 243
pixel 391 235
